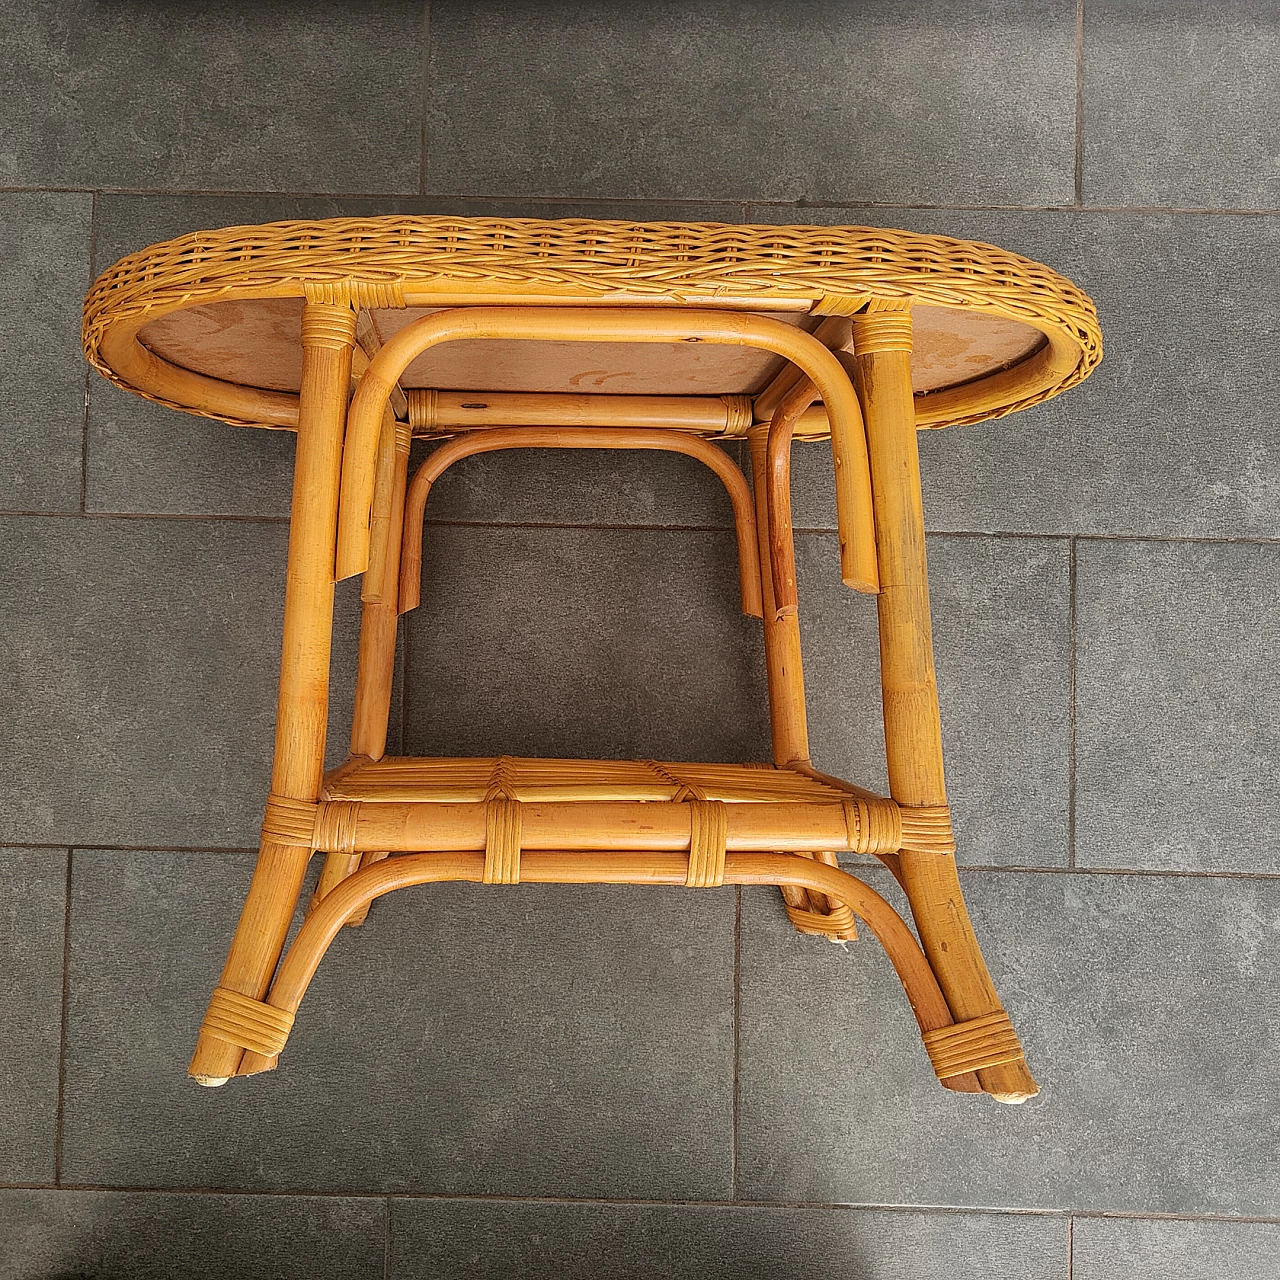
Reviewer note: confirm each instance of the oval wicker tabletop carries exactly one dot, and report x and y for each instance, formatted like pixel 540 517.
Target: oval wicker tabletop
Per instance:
pixel 207 322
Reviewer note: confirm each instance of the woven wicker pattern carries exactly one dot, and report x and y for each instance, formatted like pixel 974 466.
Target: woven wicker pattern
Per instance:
pixel 374 261
pixel 393 779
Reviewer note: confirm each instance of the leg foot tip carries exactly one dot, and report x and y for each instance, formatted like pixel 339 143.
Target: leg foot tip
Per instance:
pixel 1014 1099
pixel 211 1082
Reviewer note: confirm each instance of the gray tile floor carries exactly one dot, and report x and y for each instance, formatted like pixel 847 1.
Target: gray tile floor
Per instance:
pixel 578 1083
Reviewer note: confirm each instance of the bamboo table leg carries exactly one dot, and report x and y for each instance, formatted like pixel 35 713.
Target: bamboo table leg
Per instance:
pixel 378 619
pixel 328 333
pixel 912 725
pixel 785 676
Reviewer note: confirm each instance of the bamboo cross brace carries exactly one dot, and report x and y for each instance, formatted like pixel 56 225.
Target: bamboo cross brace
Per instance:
pixel 495 438
pixel 564 867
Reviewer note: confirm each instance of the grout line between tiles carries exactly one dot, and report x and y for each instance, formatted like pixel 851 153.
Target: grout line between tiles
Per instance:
pixel 424 97
pixel 639 1202
pixel 1167 872
pixel 248 850
pixel 1071 702
pixel 693 201
pixel 737 1031
pixel 62 1031
pixel 146 515
pixel 1079 138
pixel 404 685
pixel 85 846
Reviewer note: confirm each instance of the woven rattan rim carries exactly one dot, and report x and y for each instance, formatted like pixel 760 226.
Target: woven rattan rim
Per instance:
pixel 417 261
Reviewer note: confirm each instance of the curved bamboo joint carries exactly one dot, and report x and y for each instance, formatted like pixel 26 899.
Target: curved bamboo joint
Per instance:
pixel 495 438
pixel 558 867
pixel 782 558
pixel 853 477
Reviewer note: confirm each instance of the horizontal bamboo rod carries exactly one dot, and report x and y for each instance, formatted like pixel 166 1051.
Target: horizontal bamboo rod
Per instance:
pixel 443 412
pixel 423 827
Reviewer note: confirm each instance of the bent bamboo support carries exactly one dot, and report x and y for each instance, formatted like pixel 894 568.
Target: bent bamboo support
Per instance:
pixel 272 1019
pixel 497 438
pixel 852 476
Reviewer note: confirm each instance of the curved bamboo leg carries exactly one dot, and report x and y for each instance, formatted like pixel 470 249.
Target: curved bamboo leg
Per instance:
pixel 376 669
pixel 328 333
pixel 912 725
pixel 556 867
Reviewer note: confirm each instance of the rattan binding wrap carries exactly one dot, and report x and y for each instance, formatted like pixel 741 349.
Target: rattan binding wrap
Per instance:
pixel 973 1045
pixel 379 261
pixel 240 1020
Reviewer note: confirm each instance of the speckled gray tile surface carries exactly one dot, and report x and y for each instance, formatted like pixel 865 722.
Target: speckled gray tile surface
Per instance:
pixel 145 658
pixel 1178 706
pixel 1132 994
pixel 619 643
pixel 763 100
pixel 1124 1249
pixel 44 244
pixel 271 96
pixel 33 895
pixel 113 1236
pixel 581 1241
pixel 1181 104
pixel 531 1041
pixel 1002 644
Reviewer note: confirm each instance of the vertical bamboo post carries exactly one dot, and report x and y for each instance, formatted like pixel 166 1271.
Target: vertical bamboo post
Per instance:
pixel 788 724
pixel 302 710
pixel 378 617
pixel 912 724
pixel 787 720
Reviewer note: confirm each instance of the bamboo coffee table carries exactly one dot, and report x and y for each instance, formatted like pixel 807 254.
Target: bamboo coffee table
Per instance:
pixel 360 334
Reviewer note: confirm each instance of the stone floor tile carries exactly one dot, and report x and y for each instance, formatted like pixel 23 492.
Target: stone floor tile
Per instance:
pixel 271 96
pixel 544 1040
pixel 1181 104
pixel 1165 1249
pixel 765 101
pixel 49 1235
pixel 1002 646
pixel 1148 1008
pixel 44 243
pixel 1178 706
pixel 447 1238
pixel 33 894
pixel 611 643
pixel 144 657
